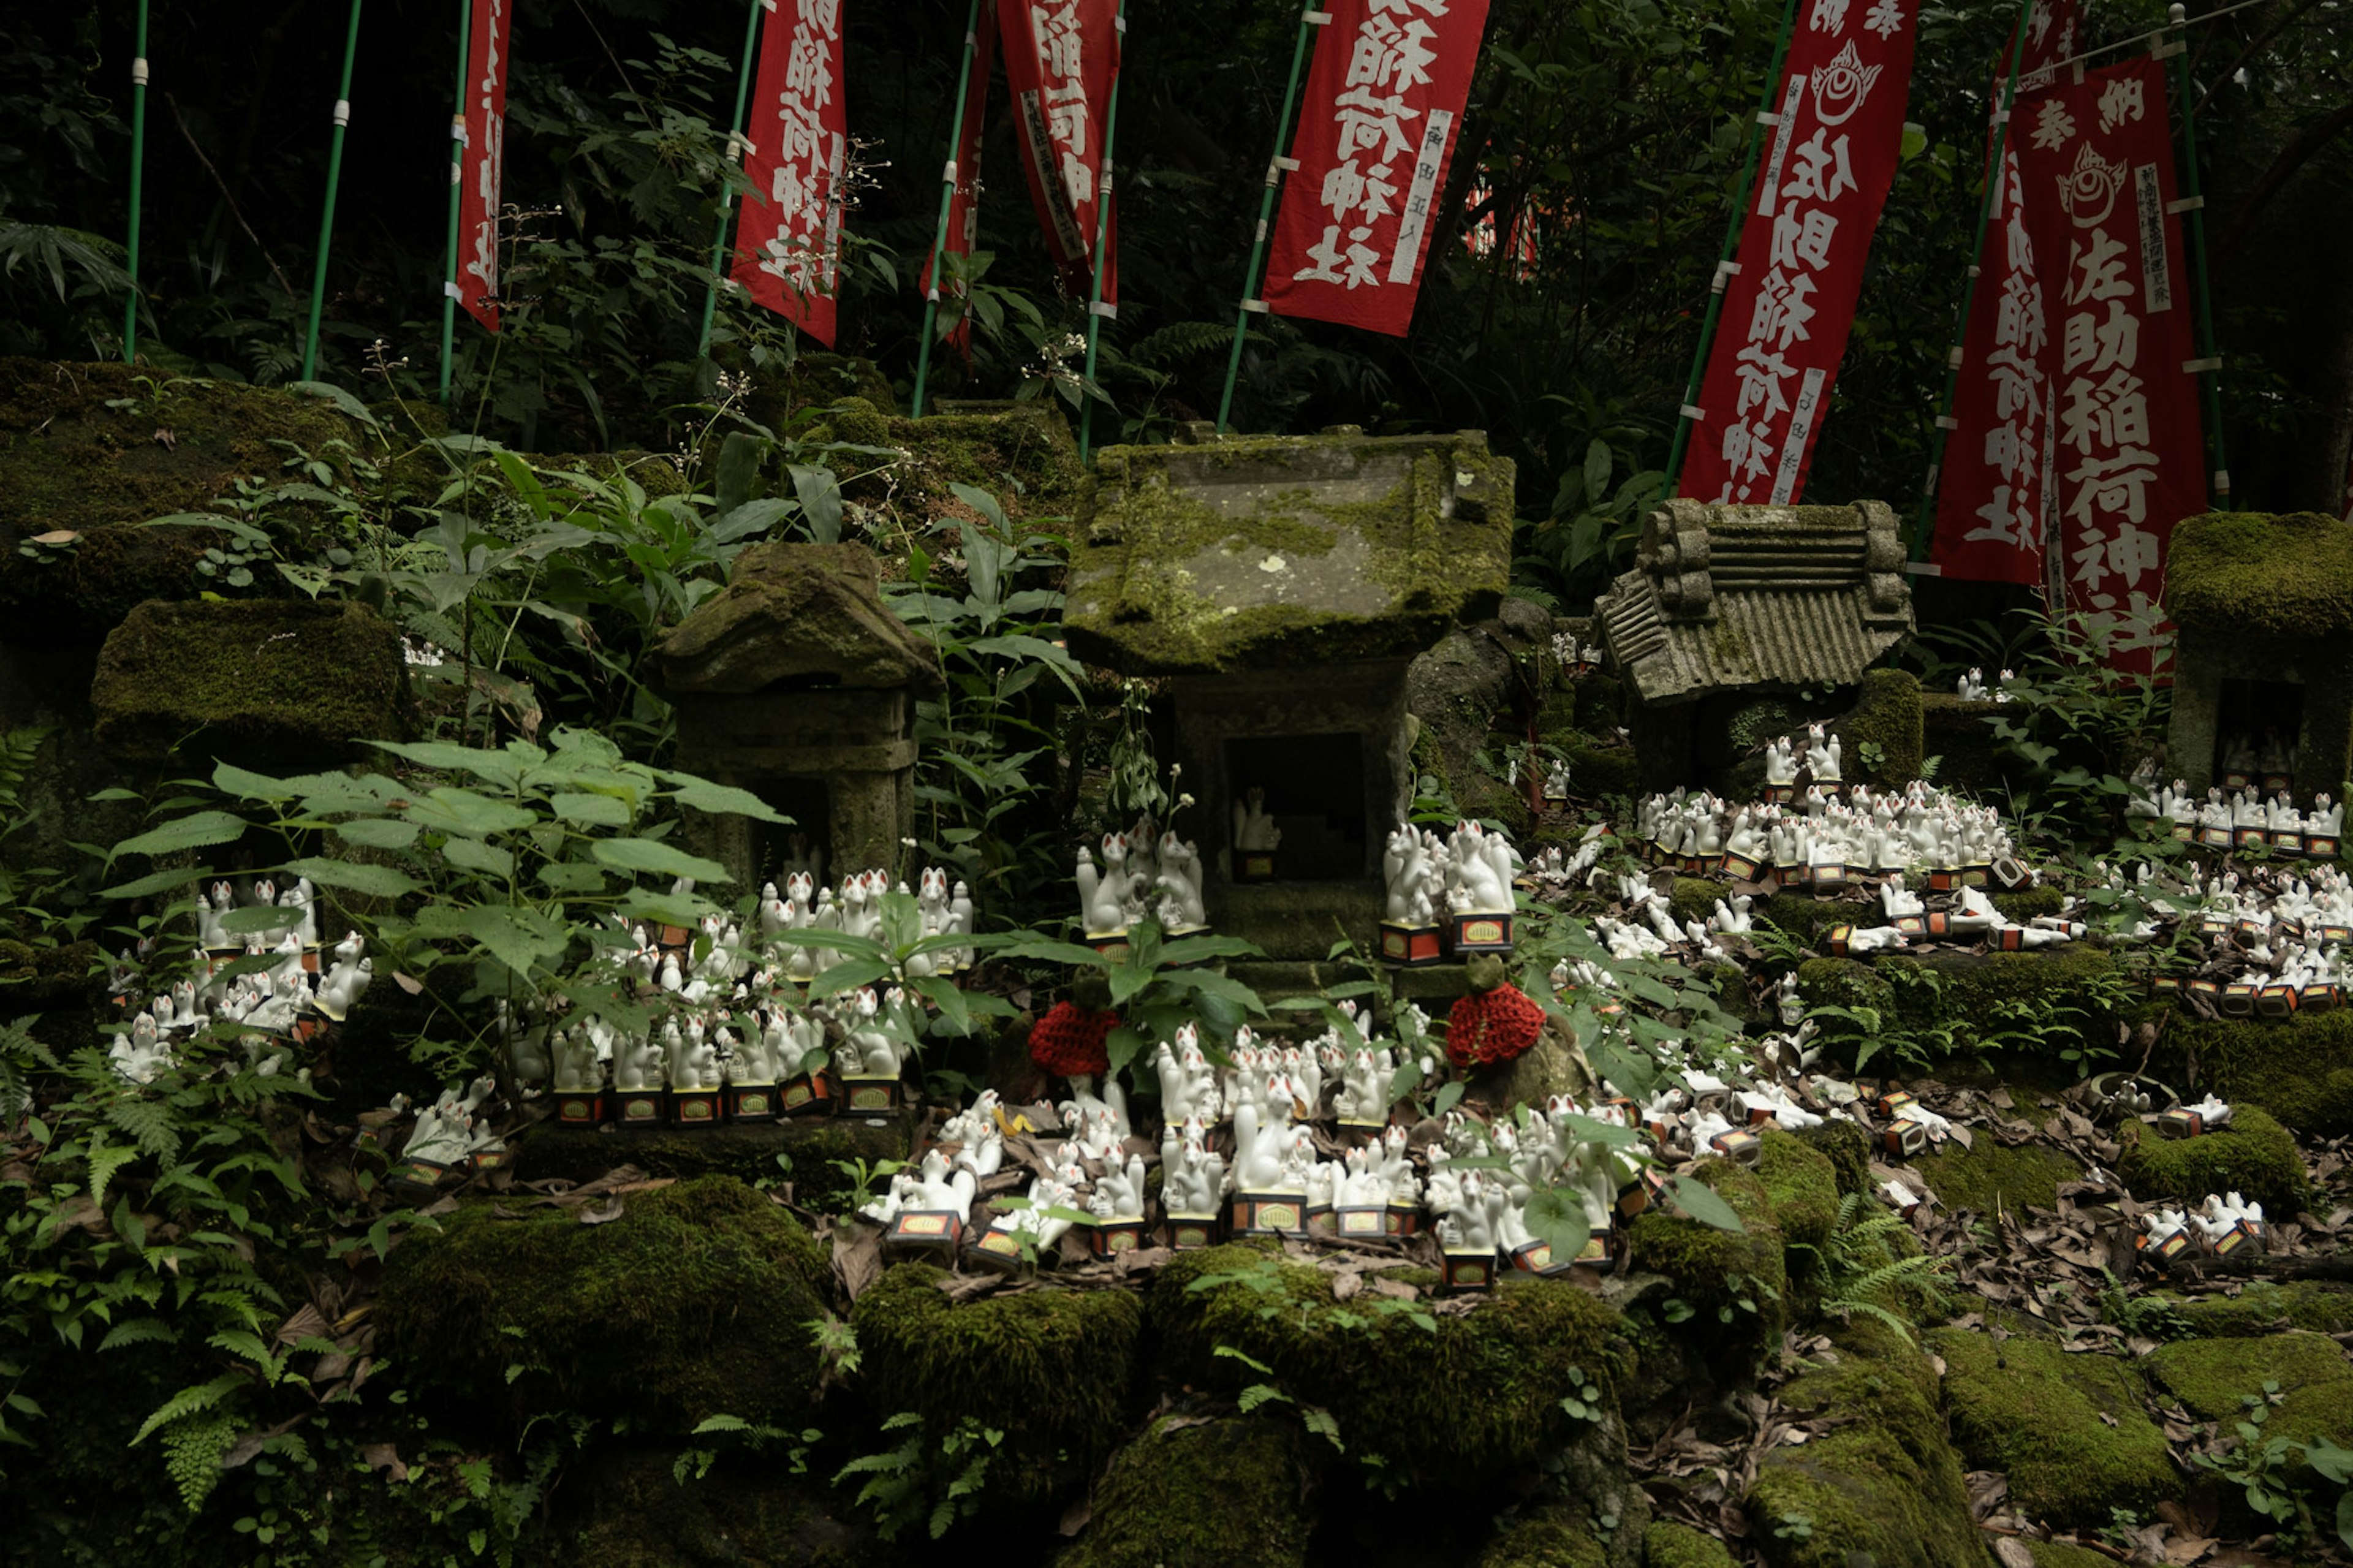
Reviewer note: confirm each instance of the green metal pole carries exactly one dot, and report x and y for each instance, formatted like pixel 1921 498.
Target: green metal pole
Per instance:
pixel 457 172
pixel 138 159
pixel 2193 222
pixel 334 177
pixel 726 192
pixel 1310 19
pixel 1731 244
pixel 1924 520
pixel 948 179
pixel 1103 242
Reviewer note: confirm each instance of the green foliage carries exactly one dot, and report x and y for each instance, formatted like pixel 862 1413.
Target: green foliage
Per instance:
pixel 937 1483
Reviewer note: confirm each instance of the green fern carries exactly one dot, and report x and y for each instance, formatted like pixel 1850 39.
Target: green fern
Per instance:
pixel 1865 1265
pixel 192 1451
pixel 153 1123
pixel 105 1159
pixel 1181 341
pixel 191 1401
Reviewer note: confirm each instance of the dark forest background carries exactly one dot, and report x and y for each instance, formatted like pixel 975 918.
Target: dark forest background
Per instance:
pixel 1605 136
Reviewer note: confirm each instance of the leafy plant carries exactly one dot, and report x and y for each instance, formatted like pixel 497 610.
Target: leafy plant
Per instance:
pixel 1866 1268
pixel 937 1482
pixel 1317 1419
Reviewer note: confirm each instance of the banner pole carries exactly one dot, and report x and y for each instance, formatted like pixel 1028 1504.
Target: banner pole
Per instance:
pixel 138 158
pixel 335 174
pixel 948 179
pixel 1731 244
pixel 726 194
pixel 1309 18
pixel 1923 520
pixel 1104 198
pixel 456 174
pixel 2193 222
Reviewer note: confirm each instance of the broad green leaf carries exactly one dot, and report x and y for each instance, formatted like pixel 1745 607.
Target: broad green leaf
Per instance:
pixel 665 907
pixel 376 881
pixel 1195 949
pixel 848 975
pixel 654 855
pixel 1556 1216
pixel 449 809
pixel 199 831
pixel 378 832
pixel 256 918
pixel 1703 1203
pixel 475 855
pixel 842 942
pixel 589 810
pixel 1121 1046
pixel 942 993
pixel 523 938
pixel 1045 950
pixel 159 882
pixel 230 779
pixel 723 799
pixel 574 877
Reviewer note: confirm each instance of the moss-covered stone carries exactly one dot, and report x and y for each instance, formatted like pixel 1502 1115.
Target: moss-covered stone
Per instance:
pixel 2301 1070
pixel 804 1154
pixel 1881 733
pixel 1021 453
pixel 1194 1494
pixel 2282 574
pixel 1544 1539
pixel 2261 1307
pixel 819 379
pixel 2071 996
pixel 798 615
pixel 1285 551
pixel 2253 1156
pixel 1848 1149
pixel 1733 1282
pixel 97 449
pixel 2069 1430
pixel 625 1507
pixel 1052 1369
pixel 1598 769
pixel 695 1303
pixel 1667 1544
pixel 1801 1184
pixel 2060 1555
pixel 1495 1377
pixel 2212 1378
pixel 1992 1176
pixel 1882 1485
pixel 272 683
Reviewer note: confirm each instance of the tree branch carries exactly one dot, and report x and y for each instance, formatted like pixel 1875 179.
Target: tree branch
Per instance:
pixel 2300 151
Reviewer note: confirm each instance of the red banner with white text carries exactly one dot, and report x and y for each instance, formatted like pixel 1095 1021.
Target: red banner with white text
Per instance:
pixel 787 243
pixel 1376 131
pixel 482 131
pixel 1060 59
pixel 1993 494
pixel 963 193
pixel 2130 455
pixel 1830 155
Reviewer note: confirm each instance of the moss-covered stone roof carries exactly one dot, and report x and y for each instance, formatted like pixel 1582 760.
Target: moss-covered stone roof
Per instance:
pixel 796 615
pixel 270 682
pixel 2287 575
pixel 1286 551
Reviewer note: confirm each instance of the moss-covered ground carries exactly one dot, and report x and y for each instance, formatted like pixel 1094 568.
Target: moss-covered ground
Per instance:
pixel 2253 1156
pixel 2071 1431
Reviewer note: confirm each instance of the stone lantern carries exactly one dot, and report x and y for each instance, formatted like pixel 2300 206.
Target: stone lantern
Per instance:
pixel 797 683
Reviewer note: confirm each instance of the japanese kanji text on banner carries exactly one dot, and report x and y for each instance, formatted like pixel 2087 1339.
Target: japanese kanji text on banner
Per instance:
pixel 1061 58
pixel 483 133
pixel 1993 494
pixel 1830 155
pixel 1376 131
pixel 2130 457
pixel 787 245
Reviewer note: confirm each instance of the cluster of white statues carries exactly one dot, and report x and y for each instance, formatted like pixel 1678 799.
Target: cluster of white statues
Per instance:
pixel 2290 929
pixel 759 1034
pixel 2230 813
pixel 1972 686
pixel 300 918
pixel 1468 872
pixel 2272 756
pixel 2209 1226
pixel 455 1128
pixel 854 909
pixel 1920 827
pixel 1140 878
pixel 1823 756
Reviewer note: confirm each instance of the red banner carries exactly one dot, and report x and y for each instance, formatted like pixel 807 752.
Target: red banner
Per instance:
pixel 1830 156
pixel 482 131
pixel 963 193
pixel 2130 454
pixel 1060 59
pixel 1994 492
pixel 1376 131
pixel 787 244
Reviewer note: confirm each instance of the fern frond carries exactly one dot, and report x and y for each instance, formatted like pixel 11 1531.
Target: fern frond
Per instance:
pixel 147 1122
pixel 189 1401
pixel 192 1451
pixel 1181 341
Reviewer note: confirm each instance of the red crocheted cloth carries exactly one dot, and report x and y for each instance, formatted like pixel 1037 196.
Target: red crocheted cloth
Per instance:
pixel 1069 1039
pixel 1492 1027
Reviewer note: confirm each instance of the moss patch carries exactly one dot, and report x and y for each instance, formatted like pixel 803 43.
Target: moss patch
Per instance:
pixel 2286 574
pixel 2070 991
pixel 2069 1430
pixel 2301 1071
pixel 1848 1149
pixel 1546 1539
pixel 1887 719
pixel 800 1152
pixel 2060 1555
pixel 1801 1184
pixel 1050 1368
pixel 2264 1307
pixel 1735 1282
pixel 2253 1156
pixel 695 1303
pixel 1883 1485
pixel 1200 1496
pixel 1481 1392
pixel 1994 1176
pixel 1669 1545
pixel 272 683
pixel 2211 1377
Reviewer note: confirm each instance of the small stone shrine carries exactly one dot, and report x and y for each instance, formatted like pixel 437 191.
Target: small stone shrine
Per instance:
pixel 1726 602
pixel 1285 584
pixel 2263 671
pixel 797 683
